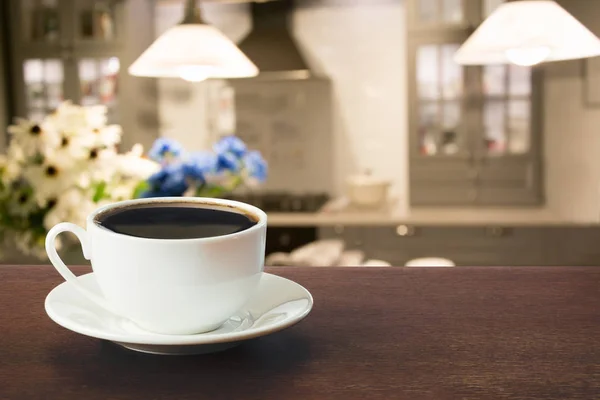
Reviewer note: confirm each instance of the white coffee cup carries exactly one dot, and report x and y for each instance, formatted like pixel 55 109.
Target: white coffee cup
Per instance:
pixel 170 286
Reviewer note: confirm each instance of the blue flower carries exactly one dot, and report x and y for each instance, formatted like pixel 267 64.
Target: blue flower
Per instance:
pixel 157 178
pixel 152 193
pixel 230 144
pixel 228 162
pixel 256 165
pixel 164 149
pixel 200 164
pixel 169 181
pixel 227 166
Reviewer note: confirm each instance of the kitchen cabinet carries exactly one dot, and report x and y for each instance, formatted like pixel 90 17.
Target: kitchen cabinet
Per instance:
pixel 352 236
pixel 79 50
pixel 285 239
pixel 474 245
pixel 465 245
pixel 572 246
pixel 66 50
pixel 474 131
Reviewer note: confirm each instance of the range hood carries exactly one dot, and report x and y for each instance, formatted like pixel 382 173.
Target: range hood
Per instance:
pixel 270 44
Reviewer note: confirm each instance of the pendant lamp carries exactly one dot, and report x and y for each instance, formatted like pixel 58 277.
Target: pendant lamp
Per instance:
pixel 526 33
pixel 193 50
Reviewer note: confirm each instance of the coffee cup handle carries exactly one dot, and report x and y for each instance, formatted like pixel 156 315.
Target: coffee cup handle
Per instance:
pixel 61 267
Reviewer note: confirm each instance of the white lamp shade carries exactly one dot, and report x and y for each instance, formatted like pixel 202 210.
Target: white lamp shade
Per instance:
pixel 193 52
pixel 526 33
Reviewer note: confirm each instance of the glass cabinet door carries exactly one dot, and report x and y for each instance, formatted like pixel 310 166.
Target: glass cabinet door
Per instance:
pixel 40 21
pixel 96 22
pixel 98 83
pixel 65 50
pixel 506 109
pixel 441 14
pixel 428 13
pixel 439 83
pixel 43 80
pixel 474 130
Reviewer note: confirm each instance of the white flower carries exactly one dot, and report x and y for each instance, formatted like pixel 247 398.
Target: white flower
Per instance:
pixel 121 191
pixel 137 150
pixel 95 116
pixel 15 153
pixel 73 147
pixel 54 217
pixel 132 164
pixel 32 138
pixel 74 118
pixel 8 171
pixel 101 164
pixel 108 136
pixel 124 172
pixel 73 205
pixel 21 202
pixel 48 180
pixel 71 199
pixel 11 165
pixel 83 179
pixel 78 214
pixel 190 192
pixel 57 165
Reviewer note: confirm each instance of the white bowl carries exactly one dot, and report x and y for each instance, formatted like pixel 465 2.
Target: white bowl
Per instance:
pixel 367 191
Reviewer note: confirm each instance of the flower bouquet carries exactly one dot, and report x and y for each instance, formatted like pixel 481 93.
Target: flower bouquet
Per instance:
pixel 230 165
pixel 61 169
pixel 64 167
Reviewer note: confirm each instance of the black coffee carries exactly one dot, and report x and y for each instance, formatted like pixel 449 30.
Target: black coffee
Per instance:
pixel 174 221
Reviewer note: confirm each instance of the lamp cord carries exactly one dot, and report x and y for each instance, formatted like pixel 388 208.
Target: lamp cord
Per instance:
pixel 192 13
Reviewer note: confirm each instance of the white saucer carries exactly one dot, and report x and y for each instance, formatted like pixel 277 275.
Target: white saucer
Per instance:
pixel 279 303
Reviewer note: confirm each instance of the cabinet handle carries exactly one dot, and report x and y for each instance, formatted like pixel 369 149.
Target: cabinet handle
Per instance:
pixel 284 239
pixel 497 231
pixel 473 174
pixel 297 205
pixel 405 230
pixel 472 195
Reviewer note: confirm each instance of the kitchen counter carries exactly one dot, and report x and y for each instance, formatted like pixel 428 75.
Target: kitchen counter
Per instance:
pixel 484 236
pixel 414 333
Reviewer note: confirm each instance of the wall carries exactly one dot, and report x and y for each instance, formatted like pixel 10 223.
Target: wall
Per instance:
pixel 349 42
pixel 572 132
pixel 139 95
pixel 360 46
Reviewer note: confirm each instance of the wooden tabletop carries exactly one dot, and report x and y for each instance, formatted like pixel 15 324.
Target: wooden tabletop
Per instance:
pixel 389 333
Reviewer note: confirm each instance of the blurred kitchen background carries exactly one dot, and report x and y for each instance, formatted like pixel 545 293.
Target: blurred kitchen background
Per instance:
pixel 378 142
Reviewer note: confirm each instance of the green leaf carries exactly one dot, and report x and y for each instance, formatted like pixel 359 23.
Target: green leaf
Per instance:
pixel 100 192
pixel 141 188
pixel 37 159
pixel 211 191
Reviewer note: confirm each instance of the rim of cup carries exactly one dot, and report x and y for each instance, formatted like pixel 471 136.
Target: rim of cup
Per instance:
pixel 220 204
